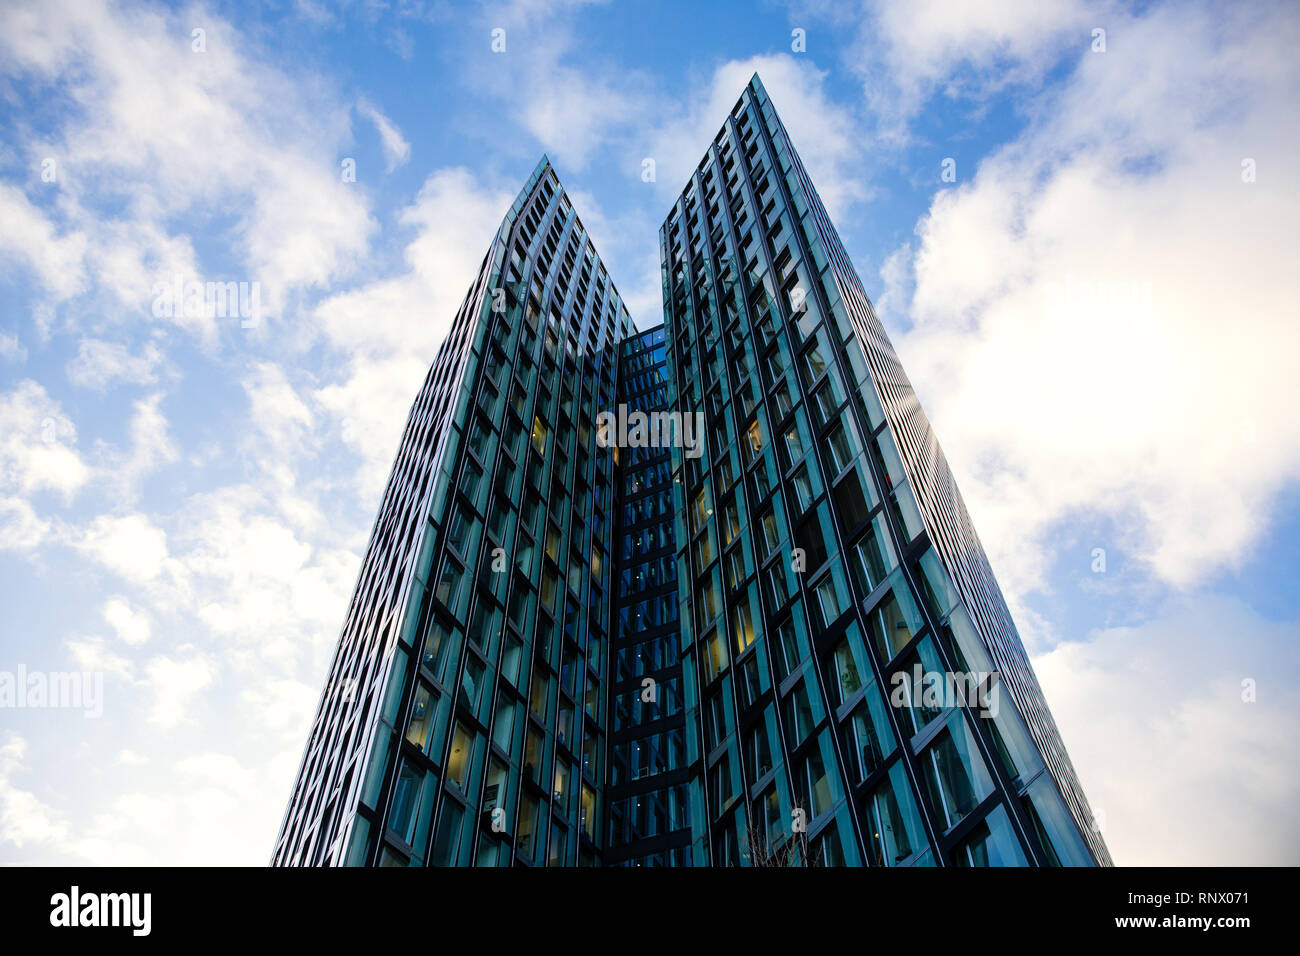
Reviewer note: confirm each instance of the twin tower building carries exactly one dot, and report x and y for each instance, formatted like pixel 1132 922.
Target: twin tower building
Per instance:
pixel 700 595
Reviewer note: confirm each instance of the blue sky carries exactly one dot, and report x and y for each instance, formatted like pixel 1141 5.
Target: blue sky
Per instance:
pixel 1098 314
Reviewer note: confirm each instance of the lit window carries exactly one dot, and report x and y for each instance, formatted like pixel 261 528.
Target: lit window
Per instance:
pixel 539 435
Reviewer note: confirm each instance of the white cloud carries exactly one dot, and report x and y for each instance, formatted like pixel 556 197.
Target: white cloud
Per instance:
pixel 11 350
pixel 35 443
pixel 131 626
pixel 268 593
pixel 151 447
pixel 176 683
pixel 92 655
pixel 28 236
pixel 99 364
pixel 169 132
pixel 283 706
pixel 1180 770
pixel 21 529
pixel 558 87
pixel 24 819
pixel 907 53
pixel 173 821
pixel 396 149
pixel 392 327
pixel 130 545
pixel 279 416
pixel 1104 316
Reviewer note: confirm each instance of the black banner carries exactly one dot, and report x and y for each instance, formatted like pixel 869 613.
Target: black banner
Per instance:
pixel 216 906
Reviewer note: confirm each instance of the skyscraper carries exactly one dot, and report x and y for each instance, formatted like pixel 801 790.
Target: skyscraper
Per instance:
pixel 826 560
pixel 777 644
pixel 464 718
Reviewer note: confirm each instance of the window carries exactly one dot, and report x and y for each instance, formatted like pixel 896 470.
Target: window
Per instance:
pixel 758 750
pixel 730 522
pixel 893 821
pixel 560 787
pixel 744 626
pixel 938 591
pixel 798 715
pixel 874 555
pixel 494 791
pixel 894 621
pixel 539 435
pixel 470 479
pixel 702 509
pixel 449 583
pixel 771 531
pixel 827 850
pixel 471 683
pixel 955 777
pixel 791 649
pixel 842 441
pixel 828 600
pixel 887 460
pixel 1056 831
pixel 827 399
pixel 855 496
pixel 448 841
pixel 587 812
pixel 420 727
pixel 717 654
pixel 817 785
pixel 715 722
pixel 503 729
pixel 528 828
pixel 736 569
pixel 991 843
pixel 458 530
pixel 773 819
pixel 458 761
pixel 813 363
pixel 404 814
pixel 868 738
pixel 918 688
pixel 748 682
pixel 809 537
pixel 533 756
pixel 803 488
pixel 848 676
pixel 793 443
pixel 755 434
pixel 540 698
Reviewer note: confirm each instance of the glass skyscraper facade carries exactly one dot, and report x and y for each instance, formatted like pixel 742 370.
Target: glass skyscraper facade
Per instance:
pixel 826 560
pixel 465 717
pixel 649 775
pixel 781 645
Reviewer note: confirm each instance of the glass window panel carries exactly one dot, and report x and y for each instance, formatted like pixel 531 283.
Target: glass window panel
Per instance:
pixel 458 760
pixel 869 738
pixel 894 821
pixel 874 556
pixel 420 727
pixel 955 776
pixel 991 843
pixel 895 620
